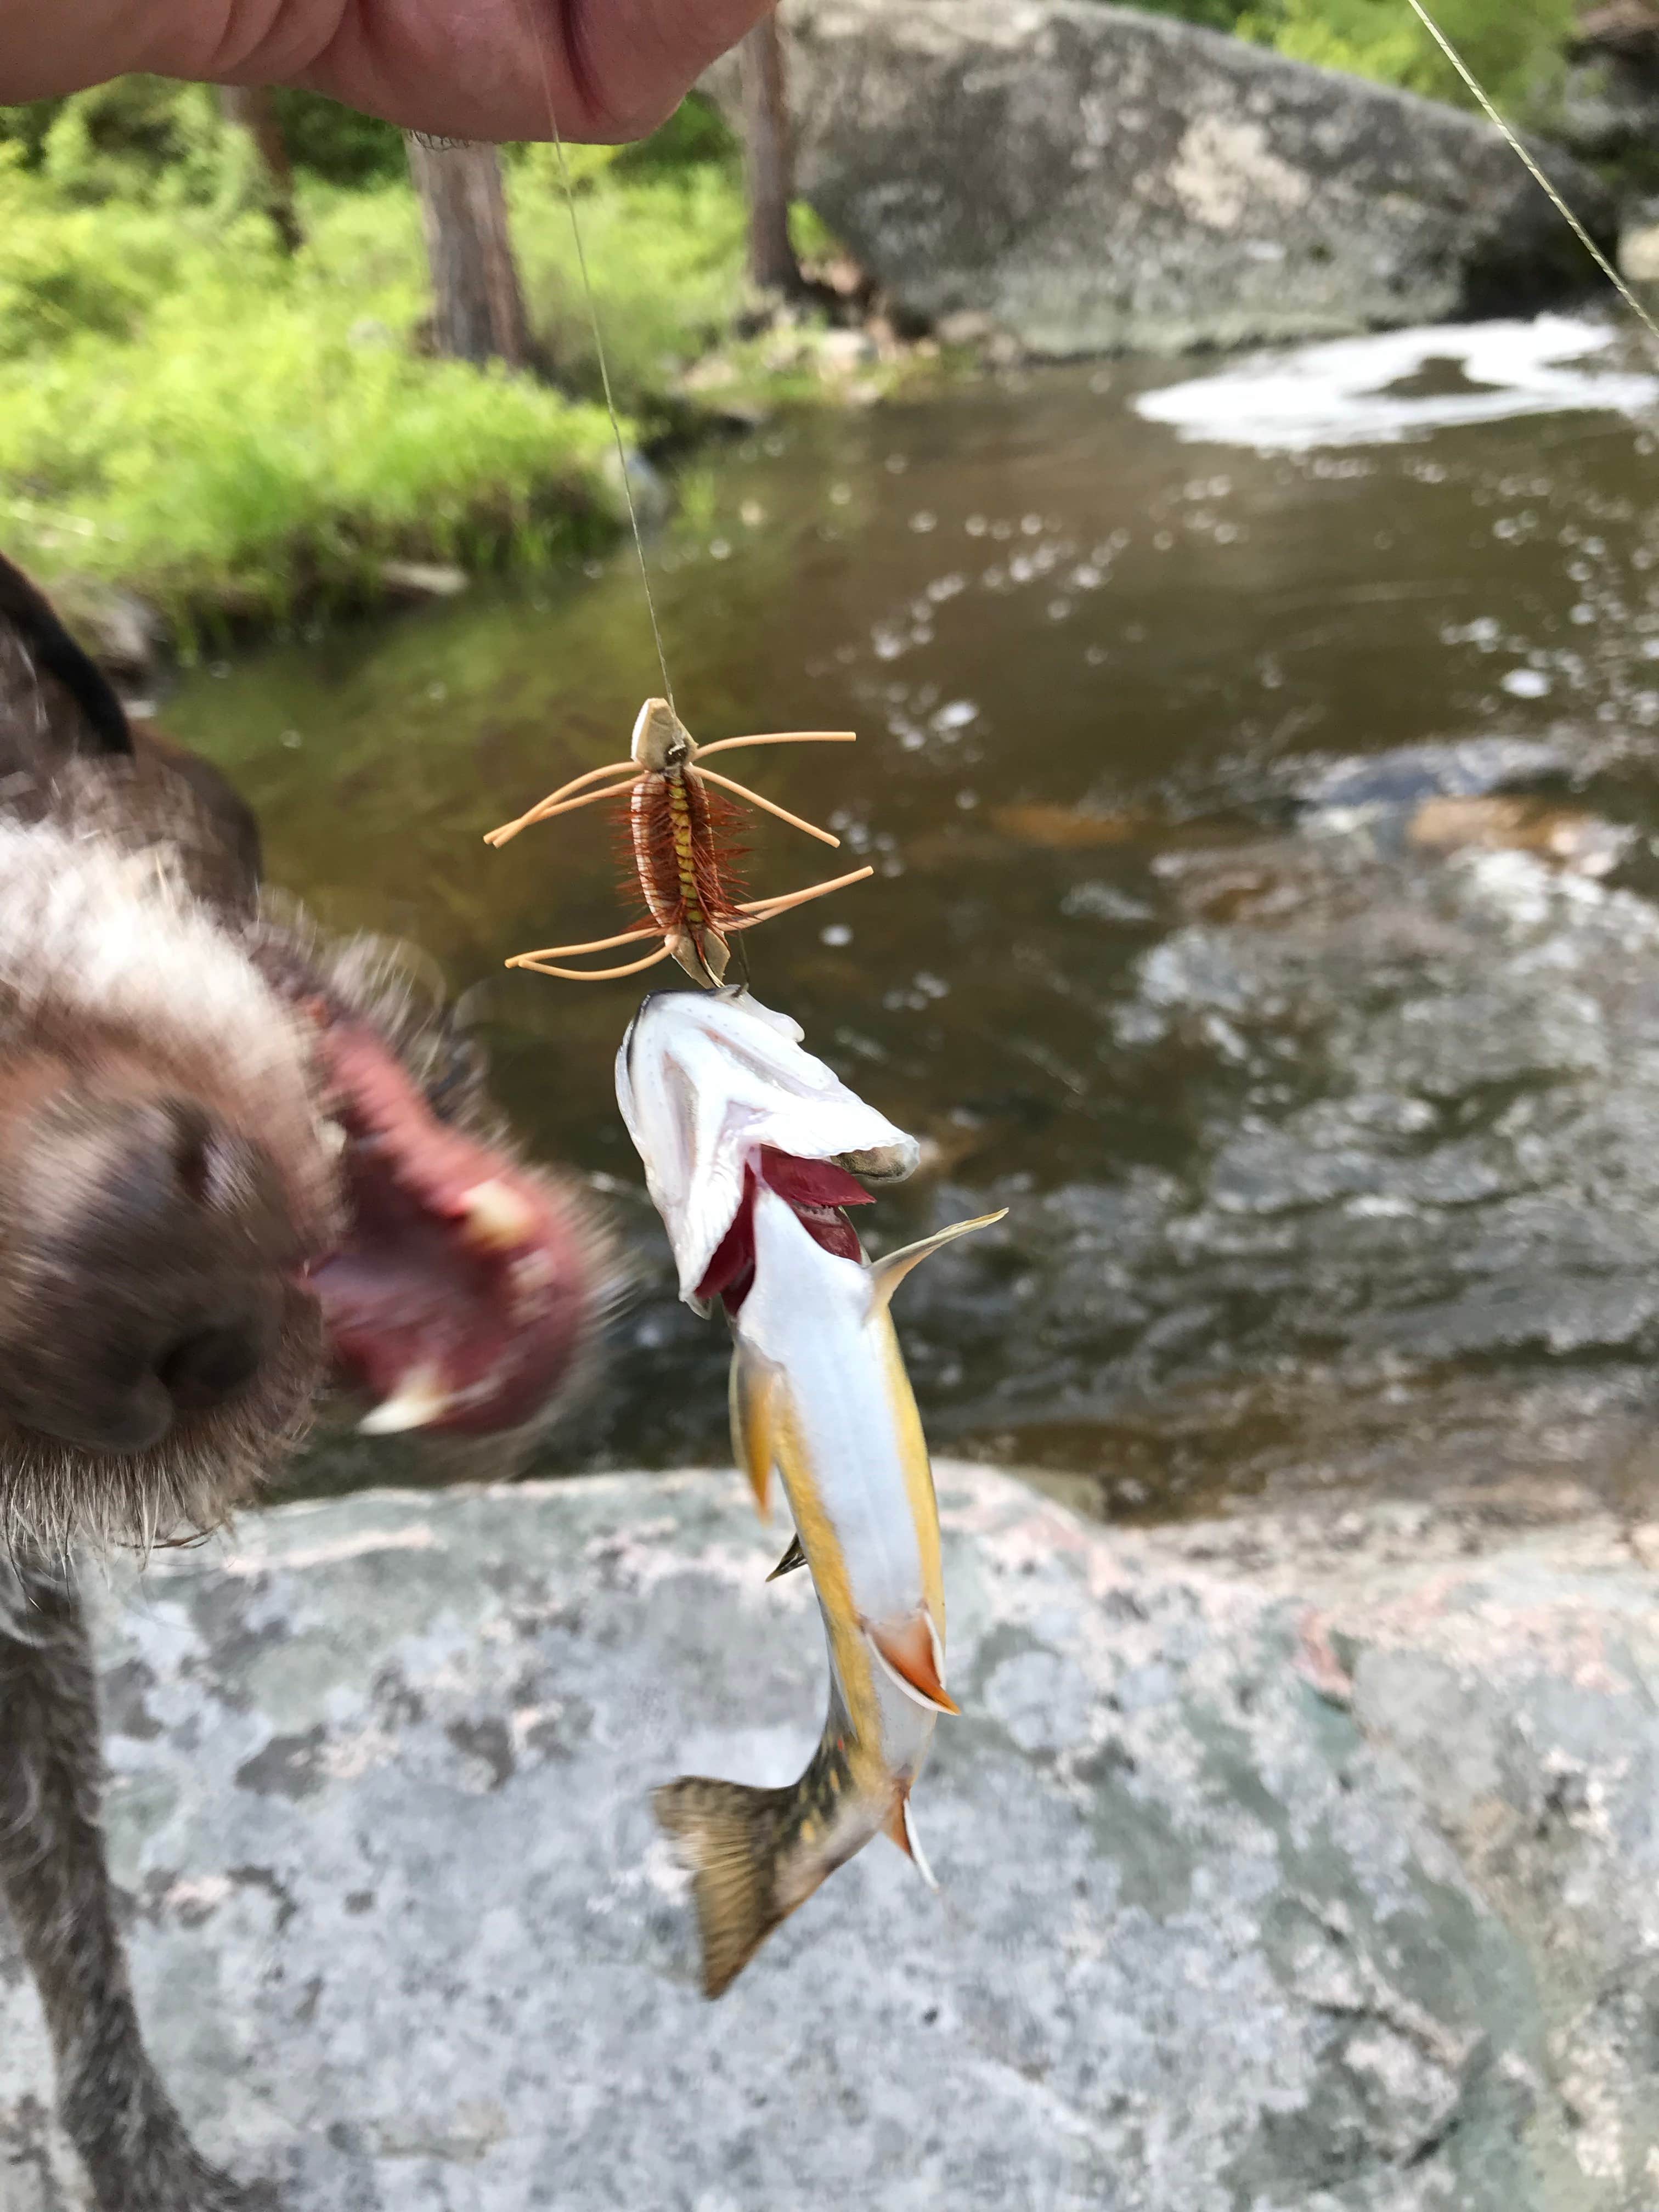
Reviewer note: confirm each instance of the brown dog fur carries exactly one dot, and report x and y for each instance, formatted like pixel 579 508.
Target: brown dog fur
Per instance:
pixel 185 1185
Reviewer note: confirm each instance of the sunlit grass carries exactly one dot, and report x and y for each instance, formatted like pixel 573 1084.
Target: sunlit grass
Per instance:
pixel 185 410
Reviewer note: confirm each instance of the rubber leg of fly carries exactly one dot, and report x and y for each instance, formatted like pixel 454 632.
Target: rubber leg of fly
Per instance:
pixel 554 804
pixel 598 945
pixel 763 909
pixel 587 975
pixel 782 738
pixel 823 837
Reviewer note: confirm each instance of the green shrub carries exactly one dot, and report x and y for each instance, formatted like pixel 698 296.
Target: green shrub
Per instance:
pixel 235 431
pixel 1513 47
pixel 23 129
pixel 265 437
pixel 138 138
pixel 131 138
pixel 77 273
pixel 665 256
pixel 694 136
pixel 1214 15
pixel 336 143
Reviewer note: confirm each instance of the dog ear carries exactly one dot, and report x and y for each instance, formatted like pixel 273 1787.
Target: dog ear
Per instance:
pixel 101 719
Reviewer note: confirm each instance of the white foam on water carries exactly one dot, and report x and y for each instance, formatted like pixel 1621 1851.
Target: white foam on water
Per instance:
pixel 1338 393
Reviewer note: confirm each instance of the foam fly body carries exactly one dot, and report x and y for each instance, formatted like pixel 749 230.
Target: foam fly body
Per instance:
pixel 680 849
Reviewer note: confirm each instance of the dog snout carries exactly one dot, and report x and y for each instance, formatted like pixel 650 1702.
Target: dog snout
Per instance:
pixel 154 1247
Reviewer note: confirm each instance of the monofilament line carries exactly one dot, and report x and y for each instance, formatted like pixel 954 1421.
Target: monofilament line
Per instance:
pixel 1534 170
pixel 610 406
pixel 533 33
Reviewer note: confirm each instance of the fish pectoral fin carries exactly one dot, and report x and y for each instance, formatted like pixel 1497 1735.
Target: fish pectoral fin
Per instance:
pixel 752 1397
pixel 886 1275
pixel 910 1654
pixel 899 1827
pixel 793 1558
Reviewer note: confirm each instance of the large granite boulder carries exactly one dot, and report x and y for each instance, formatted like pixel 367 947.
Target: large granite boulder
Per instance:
pixel 1090 177
pixel 1293 1863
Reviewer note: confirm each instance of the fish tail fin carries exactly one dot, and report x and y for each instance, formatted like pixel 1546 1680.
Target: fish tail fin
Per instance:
pixel 727 1833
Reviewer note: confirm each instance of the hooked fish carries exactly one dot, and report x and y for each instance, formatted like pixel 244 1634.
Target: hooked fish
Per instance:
pixel 749 1146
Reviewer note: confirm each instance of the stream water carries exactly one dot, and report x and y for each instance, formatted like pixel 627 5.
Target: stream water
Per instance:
pixel 1267 907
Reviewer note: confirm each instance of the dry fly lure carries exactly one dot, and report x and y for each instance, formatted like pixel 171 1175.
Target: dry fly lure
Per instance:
pixel 679 847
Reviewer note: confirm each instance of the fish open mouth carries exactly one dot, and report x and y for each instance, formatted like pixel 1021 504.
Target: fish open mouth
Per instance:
pixel 466 1287
pixel 815 1193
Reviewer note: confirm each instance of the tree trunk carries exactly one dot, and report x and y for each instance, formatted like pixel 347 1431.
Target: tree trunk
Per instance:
pixel 479 305
pixel 769 159
pixel 248 106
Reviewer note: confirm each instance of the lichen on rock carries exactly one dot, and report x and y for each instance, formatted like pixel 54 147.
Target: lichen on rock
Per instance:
pixel 1286 1861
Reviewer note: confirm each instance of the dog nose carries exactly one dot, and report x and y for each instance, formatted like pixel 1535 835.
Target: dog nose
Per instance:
pixel 208 1365
pixel 156 1244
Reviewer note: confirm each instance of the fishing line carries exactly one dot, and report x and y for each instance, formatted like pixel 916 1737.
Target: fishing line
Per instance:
pixel 533 32
pixel 1534 170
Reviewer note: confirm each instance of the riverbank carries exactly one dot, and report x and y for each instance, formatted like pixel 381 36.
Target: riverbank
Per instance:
pixel 247 439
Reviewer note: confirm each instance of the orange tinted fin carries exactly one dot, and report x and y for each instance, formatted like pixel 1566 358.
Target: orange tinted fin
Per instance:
pixel 899 1827
pixel 910 1655
pixel 750 1397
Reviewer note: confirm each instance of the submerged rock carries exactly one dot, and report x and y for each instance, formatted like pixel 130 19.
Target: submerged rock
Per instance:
pixel 1090 177
pixel 1294 1863
pixel 1465 768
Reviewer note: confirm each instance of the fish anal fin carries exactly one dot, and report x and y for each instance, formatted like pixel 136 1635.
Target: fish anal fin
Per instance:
pixel 726 1832
pixel 752 1397
pixel 899 1827
pixel 908 1652
pixel 793 1558
pixel 886 1275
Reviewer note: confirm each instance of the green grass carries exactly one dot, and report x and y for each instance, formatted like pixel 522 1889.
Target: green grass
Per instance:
pixel 665 259
pixel 238 436
pixel 1515 47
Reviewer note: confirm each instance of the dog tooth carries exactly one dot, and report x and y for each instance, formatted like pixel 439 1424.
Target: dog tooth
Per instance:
pixel 497 1218
pixel 418 1400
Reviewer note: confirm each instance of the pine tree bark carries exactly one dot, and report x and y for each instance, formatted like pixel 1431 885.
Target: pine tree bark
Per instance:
pixel 478 301
pixel 248 106
pixel 769 159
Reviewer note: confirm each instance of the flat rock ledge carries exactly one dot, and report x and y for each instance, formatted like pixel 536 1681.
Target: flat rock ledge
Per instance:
pixel 1295 1862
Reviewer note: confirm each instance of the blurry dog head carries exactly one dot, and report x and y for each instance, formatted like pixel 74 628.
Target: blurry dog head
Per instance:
pixel 233 1162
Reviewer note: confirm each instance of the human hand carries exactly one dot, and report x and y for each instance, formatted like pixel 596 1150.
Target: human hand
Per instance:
pixel 464 68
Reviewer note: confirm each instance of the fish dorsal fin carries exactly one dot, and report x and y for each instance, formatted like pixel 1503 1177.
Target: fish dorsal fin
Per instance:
pixel 899 1827
pixel 752 1398
pixel 909 1655
pixel 793 1558
pixel 886 1275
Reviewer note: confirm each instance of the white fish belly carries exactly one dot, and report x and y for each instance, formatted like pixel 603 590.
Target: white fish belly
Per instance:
pixel 808 1316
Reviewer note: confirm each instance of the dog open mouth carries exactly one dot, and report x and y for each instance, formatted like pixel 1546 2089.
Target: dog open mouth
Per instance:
pixel 467 1288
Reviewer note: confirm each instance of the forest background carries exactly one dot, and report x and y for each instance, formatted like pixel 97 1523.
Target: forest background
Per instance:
pixel 225 389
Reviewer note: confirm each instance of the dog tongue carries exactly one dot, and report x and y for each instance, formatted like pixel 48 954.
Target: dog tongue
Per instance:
pixel 462 1294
